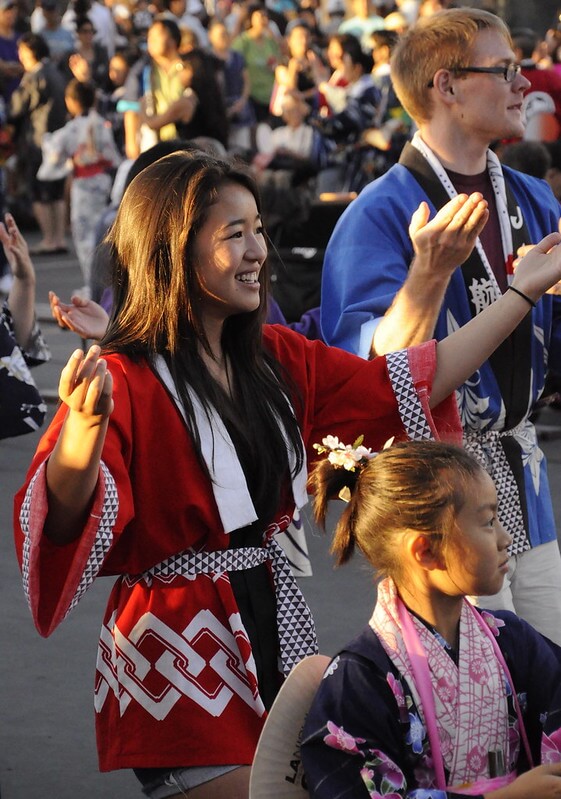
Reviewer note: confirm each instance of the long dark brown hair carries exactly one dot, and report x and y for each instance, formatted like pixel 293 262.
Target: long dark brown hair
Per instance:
pixel 157 309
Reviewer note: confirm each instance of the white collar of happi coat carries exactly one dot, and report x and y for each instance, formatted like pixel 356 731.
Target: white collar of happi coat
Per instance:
pixel 229 485
pixel 496 177
pixel 469 698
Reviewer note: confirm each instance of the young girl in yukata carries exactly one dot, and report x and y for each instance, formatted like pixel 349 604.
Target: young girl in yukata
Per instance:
pixel 175 459
pixel 87 142
pixel 434 698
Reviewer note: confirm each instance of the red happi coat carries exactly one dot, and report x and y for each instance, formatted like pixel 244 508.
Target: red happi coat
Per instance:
pixel 175 681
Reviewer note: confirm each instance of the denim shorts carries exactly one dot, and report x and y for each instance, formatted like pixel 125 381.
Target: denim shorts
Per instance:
pixel 179 780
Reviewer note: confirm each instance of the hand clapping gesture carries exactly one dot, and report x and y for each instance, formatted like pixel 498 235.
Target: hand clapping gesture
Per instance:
pixel 86 385
pixel 84 317
pixel 445 242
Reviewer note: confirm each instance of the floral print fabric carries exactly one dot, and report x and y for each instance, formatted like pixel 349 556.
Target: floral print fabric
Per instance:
pixel 364 735
pixel 22 409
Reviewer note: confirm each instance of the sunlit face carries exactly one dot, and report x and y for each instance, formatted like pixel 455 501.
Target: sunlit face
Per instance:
pixel 299 42
pixel 259 20
pixel 118 70
pixel 228 254
pixel 488 107
pixel 335 54
pixel 9 14
pixel 26 57
pixel 477 557
pixel 159 41
pixel 218 37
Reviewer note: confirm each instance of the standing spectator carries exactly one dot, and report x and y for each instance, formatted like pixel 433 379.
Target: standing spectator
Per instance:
pixel 37 107
pixel 455 75
pixel 262 53
pixel 100 16
pixel 10 66
pixel 90 62
pixel 88 142
pixel 60 40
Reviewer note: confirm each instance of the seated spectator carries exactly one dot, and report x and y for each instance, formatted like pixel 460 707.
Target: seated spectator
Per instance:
pixel 363 22
pixel 542 101
pixel 530 157
pixel 296 77
pixel 176 10
pixel 553 174
pixel 200 110
pixel 152 86
pixel 101 18
pixel 234 77
pixel 292 146
pixel 262 54
pixel 119 68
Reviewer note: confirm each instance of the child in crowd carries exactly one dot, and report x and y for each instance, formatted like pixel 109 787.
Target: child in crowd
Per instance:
pixel 435 697
pixel 86 145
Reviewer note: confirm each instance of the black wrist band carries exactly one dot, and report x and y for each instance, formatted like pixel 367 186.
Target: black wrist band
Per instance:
pixel 524 296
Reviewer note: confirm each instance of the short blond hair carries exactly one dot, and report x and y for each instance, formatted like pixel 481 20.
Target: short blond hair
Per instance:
pixel 444 40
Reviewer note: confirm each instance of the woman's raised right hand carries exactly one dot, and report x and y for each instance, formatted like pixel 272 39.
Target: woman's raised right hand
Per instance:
pixel 86 385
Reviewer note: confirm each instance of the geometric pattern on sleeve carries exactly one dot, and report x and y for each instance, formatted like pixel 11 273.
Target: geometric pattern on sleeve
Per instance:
pixel 409 405
pixel 103 538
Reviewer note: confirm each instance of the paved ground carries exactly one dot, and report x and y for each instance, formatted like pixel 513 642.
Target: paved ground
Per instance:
pixel 47 747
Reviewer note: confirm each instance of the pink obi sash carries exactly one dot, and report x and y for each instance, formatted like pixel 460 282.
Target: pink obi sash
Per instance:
pixel 419 666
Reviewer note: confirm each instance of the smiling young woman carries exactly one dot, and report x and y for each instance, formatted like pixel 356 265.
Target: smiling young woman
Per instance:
pixel 176 457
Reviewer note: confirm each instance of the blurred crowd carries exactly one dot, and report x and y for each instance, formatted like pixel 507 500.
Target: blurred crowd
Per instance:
pixel 299 89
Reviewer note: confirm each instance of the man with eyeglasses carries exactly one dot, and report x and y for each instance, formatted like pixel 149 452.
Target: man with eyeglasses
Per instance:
pixel 433 242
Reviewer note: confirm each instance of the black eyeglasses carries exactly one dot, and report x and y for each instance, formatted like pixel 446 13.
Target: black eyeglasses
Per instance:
pixel 509 72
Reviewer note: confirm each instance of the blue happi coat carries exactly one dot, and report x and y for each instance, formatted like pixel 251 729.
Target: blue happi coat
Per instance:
pixel 367 262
